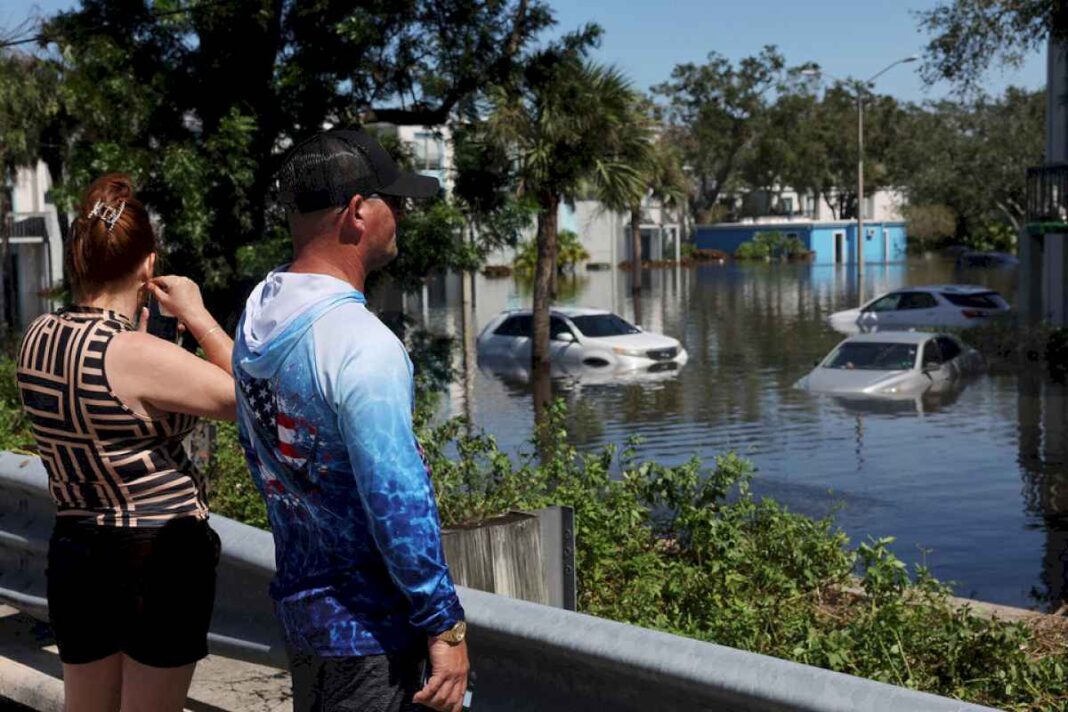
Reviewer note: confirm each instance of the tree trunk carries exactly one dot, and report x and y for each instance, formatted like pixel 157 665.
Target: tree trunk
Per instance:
pixel 544 270
pixel 636 260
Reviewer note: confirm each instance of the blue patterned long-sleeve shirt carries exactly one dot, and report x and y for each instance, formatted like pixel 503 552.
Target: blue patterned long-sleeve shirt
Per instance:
pixel 325 397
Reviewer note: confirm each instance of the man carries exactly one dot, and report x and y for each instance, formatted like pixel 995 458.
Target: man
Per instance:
pixel 325 400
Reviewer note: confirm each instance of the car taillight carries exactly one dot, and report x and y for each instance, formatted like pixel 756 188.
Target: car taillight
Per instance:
pixel 972 313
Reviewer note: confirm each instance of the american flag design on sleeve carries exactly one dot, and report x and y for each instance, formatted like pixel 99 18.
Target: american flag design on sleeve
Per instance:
pixel 290 436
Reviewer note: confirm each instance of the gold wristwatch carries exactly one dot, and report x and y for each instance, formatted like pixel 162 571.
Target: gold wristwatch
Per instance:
pixel 454 635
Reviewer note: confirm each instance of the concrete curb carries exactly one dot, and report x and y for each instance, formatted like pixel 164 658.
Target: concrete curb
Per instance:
pixel 29 687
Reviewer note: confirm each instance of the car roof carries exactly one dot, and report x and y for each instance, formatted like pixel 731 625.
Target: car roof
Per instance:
pixel 949 288
pixel 894 337
pixel 569 312
pixel 958 288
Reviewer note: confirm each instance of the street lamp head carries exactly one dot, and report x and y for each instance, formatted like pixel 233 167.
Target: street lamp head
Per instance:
pixel 811 70
pixel 911 58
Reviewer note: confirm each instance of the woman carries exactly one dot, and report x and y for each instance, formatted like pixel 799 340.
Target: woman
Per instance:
pixel 131 563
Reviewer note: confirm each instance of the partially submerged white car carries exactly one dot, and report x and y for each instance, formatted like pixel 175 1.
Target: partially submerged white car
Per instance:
pixel 894 364
pixel 593 338
pixel 940 305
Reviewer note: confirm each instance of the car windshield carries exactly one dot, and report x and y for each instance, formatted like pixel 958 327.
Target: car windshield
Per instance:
pixel 872 356
pixel 598 325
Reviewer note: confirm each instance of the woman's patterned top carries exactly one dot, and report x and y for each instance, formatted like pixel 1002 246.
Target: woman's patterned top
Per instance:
pixel 105 462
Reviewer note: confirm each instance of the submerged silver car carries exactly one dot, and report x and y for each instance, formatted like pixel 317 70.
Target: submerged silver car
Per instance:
pixel 893 364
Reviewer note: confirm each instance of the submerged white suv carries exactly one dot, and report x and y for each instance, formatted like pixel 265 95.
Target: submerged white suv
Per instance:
pixel 593 338
pixel 944 305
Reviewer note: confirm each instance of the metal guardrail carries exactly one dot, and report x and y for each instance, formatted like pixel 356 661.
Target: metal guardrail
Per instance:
pixel 526 656
pixel 1047 194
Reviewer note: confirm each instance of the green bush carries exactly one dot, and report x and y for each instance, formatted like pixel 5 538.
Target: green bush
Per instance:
pixel 692 552
pixel 569 253
pixel 993 237
pixel 1008 347
pixel 751 251
pixel 15 434
pixel 231 492
pixel 771 245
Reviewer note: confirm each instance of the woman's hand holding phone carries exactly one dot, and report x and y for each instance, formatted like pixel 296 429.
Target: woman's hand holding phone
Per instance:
pixel 180 297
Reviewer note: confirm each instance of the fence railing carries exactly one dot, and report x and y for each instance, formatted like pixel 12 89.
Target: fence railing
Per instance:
pixel 526 656
pixel 25 225
pixel 1047 194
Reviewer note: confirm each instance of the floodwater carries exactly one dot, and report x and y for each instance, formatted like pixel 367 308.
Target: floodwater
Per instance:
pixel 974 484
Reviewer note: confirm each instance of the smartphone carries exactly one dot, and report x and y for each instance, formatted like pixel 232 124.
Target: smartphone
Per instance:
pixel 468 695
pixel 162 324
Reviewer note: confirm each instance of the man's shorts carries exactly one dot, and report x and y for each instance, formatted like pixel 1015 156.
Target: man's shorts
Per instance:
pixel 146 592
pixel 369 683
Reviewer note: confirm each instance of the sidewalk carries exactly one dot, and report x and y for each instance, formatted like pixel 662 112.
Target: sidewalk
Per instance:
pixel 30 674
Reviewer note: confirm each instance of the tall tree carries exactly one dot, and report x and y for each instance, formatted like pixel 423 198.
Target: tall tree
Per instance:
pixel 163 90
pixel 714 105
pixel 567 122
pixel 971 156
pixel 970 36
pixel 28 102
pixel 837 122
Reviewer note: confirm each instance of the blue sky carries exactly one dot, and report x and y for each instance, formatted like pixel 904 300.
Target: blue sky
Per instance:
pixel 647 39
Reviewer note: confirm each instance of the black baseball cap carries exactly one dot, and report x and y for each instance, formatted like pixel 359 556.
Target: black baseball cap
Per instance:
pixel 327 169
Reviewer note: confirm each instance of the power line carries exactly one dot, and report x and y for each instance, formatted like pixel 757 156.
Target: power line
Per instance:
pixel 151 16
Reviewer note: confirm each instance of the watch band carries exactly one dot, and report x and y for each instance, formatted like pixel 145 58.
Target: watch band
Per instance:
pixel 454 635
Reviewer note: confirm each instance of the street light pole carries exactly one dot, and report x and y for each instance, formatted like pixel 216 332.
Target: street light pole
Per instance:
pixel 814 70
pixel 860 194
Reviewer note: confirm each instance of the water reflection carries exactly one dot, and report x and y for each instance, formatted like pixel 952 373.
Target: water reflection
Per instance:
pixel 943 474
pixel 1043 457
pixel 517 374
pixel 926 403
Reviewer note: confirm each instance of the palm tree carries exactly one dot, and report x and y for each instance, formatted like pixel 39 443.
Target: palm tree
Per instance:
pixel 661 177
pixel 569 125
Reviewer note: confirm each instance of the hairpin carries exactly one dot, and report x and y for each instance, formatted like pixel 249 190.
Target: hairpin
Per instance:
pixel 108 214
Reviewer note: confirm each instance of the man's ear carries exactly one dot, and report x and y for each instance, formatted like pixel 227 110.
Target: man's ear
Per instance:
pixel 353 222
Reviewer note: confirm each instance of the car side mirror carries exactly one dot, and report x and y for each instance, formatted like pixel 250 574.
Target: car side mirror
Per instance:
pixel 565 336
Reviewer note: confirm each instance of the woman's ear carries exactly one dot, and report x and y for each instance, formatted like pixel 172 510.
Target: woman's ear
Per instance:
pixel 148 268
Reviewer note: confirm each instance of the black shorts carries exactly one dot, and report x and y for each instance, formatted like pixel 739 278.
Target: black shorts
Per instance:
pixel 369 683
pixel 146 592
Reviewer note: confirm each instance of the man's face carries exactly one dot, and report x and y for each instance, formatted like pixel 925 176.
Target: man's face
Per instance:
pixel 380 214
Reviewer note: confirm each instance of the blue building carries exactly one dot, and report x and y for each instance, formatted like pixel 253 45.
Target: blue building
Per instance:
pixel 834 242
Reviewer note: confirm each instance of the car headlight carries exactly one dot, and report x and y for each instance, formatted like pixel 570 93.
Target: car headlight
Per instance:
pixel 624 351
pixel 891 390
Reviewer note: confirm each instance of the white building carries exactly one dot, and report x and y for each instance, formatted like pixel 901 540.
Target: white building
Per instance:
pixel 606 234
pixel 34 266
pixel 1044 241
pixel 430 147
pixel 884 205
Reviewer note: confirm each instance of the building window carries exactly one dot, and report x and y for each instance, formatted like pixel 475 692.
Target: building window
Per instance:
pixel 429 151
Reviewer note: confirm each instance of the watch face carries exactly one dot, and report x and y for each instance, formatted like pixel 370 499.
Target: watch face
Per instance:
pixel 455 634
